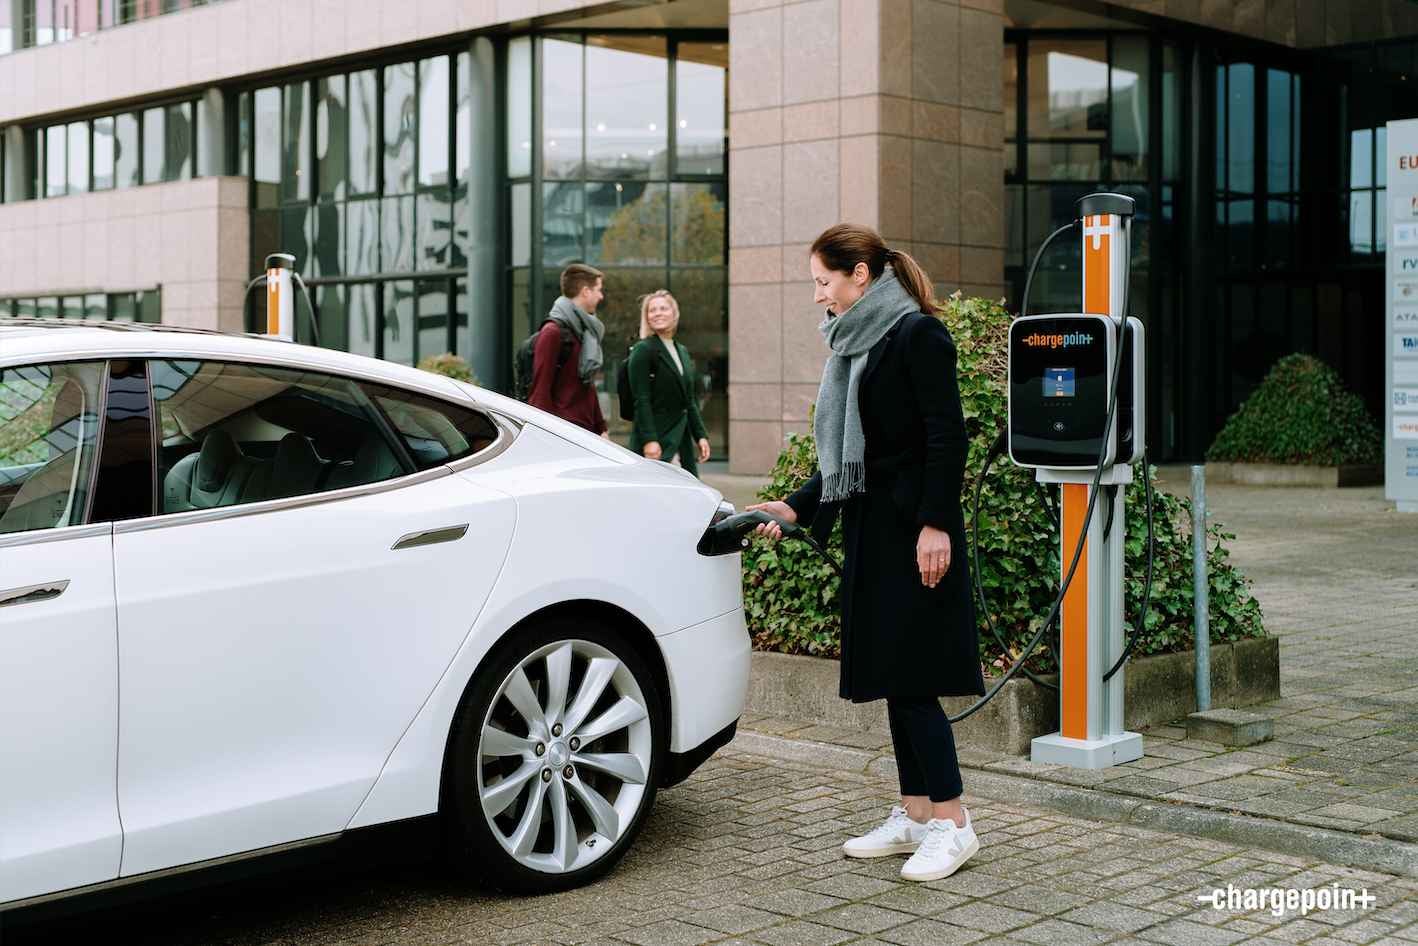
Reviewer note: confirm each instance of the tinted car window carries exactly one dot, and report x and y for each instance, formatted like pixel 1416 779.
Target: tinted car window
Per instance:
pixel 433 431
pixel 235 433
pixel 49 421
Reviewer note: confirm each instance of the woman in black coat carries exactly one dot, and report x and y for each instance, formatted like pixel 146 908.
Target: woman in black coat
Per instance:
pixel 891 446
pixel 663 382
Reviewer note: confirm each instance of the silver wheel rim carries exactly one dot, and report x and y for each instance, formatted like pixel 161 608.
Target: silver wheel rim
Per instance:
pixel 552 807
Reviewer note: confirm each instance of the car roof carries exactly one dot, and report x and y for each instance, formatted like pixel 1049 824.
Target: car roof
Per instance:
pixel 29 341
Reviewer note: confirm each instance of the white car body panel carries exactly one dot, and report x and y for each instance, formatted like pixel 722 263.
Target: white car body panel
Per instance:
pixel 59 699
pixel 254 714
pixel 270 662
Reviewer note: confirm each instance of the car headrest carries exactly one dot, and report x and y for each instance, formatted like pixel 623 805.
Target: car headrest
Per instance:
pixel 214 463
pixel 295 461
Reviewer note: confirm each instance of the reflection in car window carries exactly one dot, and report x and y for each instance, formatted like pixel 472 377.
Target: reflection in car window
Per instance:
pixel 234 433
pixel 433 431
pixel 48 435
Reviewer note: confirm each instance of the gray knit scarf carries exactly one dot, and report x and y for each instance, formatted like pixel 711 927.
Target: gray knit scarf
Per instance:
pixel 837 423
pixel 587 328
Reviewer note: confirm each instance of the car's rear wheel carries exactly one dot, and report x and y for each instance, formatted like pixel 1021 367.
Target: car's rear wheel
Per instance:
pixel 555 757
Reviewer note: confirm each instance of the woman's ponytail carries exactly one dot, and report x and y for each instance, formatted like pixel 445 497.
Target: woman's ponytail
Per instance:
pixel 913 279
pixel 843 246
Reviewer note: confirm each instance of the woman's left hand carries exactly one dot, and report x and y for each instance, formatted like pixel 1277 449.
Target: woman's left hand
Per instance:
pixel 703 450
pixel 932 555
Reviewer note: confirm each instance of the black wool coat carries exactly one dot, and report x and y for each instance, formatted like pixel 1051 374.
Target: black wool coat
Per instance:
pixel 900 638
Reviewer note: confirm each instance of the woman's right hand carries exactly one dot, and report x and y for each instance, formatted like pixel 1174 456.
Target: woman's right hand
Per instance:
pixel 652 450
pixel 771 530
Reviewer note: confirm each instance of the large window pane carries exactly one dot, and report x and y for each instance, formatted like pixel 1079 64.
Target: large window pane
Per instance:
pixel 122 307
pixel 364 133
pixel 127 166
pixel 78 157
pixel 626 223
pixel 701 91
pixel 561 108
pixel 1131 95
pixel 56 164
pixel 1278 131
pixel 1068 88
pixel 181 142
pixel 399 321
pixel 563 223
pixel 697 223
pixel 433 211
pixel 329 256
pixel 463 122
pixel 96 306
pixel 103 153
pixel 1240 128
pixel 462 343
pixel 362 237
pixel 149 306
pixel 627 85
pixel 332 138
pixel 521 224
pixel 433 317
pixel 295 142
pixel 396 224
pixel 434 139
pixel 297 235
pixel 519 107
pixel 71 307
pixel 620 310
pixel 154 144
pixel 400 121
pixel 243 134
pixel 1067 161
pixel 268 147
pixel 330 306
pixel 362 319
pixel 1171 113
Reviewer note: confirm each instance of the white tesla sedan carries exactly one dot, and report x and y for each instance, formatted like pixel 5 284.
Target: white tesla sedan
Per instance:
pixel 255 595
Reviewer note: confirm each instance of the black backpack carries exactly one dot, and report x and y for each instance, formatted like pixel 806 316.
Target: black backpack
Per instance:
pixel 622 387
pixel 522 360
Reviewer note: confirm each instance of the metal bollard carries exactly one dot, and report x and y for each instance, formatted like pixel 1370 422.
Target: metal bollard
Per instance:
pixel 1201 624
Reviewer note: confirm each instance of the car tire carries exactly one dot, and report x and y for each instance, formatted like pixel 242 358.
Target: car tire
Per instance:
pixel 535 806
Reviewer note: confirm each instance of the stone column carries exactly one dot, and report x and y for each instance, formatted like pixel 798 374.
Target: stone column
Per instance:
pixel 881 112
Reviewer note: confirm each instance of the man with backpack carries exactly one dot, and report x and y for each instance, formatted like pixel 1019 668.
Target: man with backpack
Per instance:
pixel 566 352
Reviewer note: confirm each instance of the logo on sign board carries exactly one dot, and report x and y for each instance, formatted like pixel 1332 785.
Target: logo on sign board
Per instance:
pixel 1405 290
pixel 1405 234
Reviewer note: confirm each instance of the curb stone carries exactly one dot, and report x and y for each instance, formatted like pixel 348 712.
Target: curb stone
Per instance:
pixel 1335 847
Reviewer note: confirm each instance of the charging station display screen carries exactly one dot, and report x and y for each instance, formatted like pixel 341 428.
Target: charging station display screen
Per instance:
pixel 1058 389
pixel 1059 382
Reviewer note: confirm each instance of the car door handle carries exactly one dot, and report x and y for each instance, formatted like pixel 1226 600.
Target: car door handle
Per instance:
pixel 432 537
pixel 32 593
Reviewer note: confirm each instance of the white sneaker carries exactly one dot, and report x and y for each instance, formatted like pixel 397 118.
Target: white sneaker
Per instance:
pixel 899 834
pixel 943 850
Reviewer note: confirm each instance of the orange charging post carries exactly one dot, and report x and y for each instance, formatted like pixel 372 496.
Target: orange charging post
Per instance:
pixel 1091 733
pixel 280 296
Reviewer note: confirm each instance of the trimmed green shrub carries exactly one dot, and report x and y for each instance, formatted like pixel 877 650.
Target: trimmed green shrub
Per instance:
pixel 449 365
pixel 790 594
pixel 1300 413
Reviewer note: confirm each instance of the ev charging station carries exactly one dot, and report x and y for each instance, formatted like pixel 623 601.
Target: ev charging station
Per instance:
pixel 280 296
pixel 1076 415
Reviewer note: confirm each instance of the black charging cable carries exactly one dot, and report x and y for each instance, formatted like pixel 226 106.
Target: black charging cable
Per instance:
pixel 310 307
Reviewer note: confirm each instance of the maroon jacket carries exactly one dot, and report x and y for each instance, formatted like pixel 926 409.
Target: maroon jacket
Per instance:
pixel 561 392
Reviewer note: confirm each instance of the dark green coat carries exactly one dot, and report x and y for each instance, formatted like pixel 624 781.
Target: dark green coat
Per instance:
pixel 666 409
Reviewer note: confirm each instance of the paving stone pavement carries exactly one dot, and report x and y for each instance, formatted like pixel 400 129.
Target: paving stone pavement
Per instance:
pixel 747 851
pixel 1336 573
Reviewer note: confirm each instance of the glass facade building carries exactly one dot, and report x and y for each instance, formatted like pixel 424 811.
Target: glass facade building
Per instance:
pixel 433 175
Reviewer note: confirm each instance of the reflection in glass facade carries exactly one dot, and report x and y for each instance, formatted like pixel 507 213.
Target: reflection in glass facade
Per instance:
pixel 352 173
pixel 1086 112
pixel 626 173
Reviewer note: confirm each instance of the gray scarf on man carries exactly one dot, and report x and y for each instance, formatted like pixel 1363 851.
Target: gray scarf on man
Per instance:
pixel 587 328
pixel 837 423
